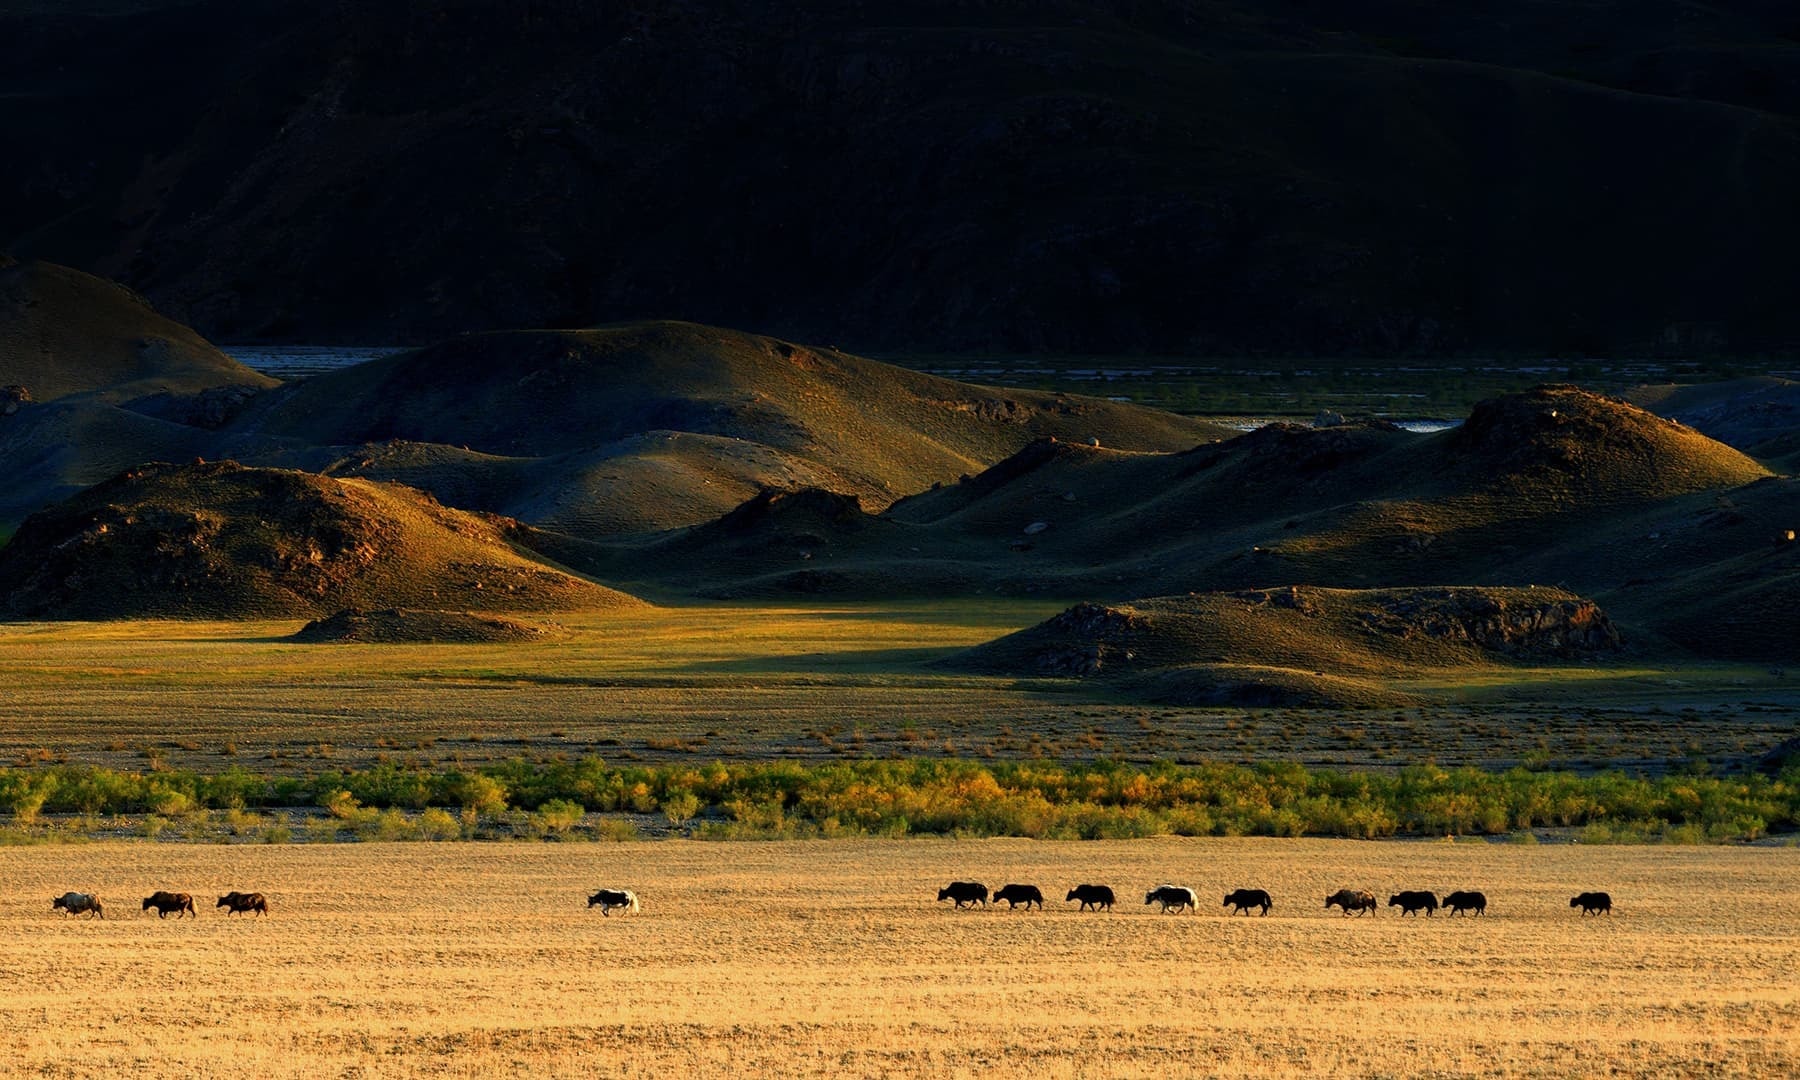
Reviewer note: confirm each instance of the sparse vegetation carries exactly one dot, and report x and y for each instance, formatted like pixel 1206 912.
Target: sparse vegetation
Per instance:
pixel 964 798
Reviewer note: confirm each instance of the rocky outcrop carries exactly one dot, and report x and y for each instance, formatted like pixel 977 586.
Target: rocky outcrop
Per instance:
pixel 1523 628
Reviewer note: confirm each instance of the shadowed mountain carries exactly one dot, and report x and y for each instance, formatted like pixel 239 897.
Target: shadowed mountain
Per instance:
pixel 1070 175
pixel 63 332
pixel 224 541
pixel 650 426
pixel 1299 645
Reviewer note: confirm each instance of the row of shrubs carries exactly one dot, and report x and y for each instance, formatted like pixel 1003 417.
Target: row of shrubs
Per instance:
pixel 949 797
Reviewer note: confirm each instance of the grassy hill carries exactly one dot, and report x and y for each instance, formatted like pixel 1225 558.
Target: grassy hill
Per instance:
pixel 220 540
pixel 65 332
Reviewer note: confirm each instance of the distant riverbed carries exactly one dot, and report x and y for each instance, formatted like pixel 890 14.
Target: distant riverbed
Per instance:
pixel 303 361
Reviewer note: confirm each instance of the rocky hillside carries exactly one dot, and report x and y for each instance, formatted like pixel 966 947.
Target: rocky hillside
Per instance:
pixel 1349 631
pixel 1372 176
pixel 218 540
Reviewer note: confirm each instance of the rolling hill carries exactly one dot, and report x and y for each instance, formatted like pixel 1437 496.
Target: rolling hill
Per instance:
pixel 650 426
pixel 1352 506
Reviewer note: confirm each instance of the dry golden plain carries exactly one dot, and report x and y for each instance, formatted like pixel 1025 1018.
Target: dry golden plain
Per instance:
pixel 832 958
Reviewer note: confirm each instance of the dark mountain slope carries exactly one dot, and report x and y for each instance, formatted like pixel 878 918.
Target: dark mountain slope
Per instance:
pixel 1101 175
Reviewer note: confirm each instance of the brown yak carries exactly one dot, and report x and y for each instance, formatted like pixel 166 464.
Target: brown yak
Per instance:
pixel 165 902
pixel 237 903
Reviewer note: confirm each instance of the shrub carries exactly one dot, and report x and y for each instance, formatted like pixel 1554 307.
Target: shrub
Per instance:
pixel 619 830
pixel 340 804
pixel 23 794
pixel 680 806
pixel 385 825
pixel 436 824
pixel 170 803
pixel 557 816
pixel 476 792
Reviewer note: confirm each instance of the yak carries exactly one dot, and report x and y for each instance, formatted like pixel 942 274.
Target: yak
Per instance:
pixel 1014 895
pixel 1593 903
pixel 1173 897
pixel 1099 896
pixel 1458 902
pixel 1411 903
pixel 1357 900
pixel 965 893
pixel 607 899
pixel 237 903
pixel 1242 900
pixel 77 903
pixel 164 902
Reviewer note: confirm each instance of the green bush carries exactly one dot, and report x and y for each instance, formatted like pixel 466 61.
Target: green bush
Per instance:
pixel 965 798
pixel 436 824
pixel 680 806
pixel 557 816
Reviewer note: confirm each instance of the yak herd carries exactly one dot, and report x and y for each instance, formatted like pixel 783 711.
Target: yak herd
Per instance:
pixel 963 894
pixel 1180 898
pixel 165 903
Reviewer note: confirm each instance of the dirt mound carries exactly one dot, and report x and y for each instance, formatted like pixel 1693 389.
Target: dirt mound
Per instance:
pixel 1309 633
pixel 785 511
pixel 1562 441
pixel 218 540
pixel 669 409
pixel 406 626
pixel 65 332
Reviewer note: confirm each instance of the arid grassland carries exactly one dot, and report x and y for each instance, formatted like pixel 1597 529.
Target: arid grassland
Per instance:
pixel 732 682
pixel 833 959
